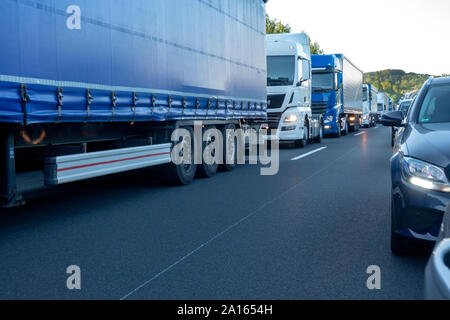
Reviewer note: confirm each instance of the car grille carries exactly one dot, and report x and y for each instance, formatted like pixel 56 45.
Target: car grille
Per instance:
pixel 275 101
pixel 319 107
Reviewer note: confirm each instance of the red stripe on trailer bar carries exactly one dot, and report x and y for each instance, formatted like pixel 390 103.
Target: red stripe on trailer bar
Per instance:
pixel 112 161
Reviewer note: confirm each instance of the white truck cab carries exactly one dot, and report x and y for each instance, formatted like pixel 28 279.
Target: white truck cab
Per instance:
pixel 383 104
pixel 370 100
pixel 289 90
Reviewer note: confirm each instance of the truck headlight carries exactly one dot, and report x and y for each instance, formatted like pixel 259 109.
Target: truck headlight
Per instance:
pixel 424 175
pixel 291 118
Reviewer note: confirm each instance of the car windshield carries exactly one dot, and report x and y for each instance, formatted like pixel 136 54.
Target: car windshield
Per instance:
pixel 380 107
pixel 280 70
pixel 436 105
pixel 404 106
pixel 323 81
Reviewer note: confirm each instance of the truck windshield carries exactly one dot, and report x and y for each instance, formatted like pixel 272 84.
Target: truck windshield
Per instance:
pixel 280 70
pixel 365 94
pixel 436 106
pixel 380 107
pixel 323 82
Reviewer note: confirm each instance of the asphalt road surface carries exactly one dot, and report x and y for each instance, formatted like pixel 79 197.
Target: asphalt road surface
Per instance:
pixel 309 232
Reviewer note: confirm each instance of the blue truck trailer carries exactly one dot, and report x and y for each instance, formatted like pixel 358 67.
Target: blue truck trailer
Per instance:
pixel 337 86
pixel 89 88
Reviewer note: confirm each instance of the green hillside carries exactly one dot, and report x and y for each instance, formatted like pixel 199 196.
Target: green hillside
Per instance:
pixel 395 82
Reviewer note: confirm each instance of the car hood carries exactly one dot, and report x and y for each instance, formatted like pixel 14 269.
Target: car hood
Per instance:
pixel 431 143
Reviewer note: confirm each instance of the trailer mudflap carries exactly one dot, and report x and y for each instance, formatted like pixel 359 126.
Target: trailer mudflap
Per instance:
pixel 65 169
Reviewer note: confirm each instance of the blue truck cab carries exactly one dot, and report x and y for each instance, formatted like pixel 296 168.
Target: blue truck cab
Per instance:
pixel 326 96
pixel 337 93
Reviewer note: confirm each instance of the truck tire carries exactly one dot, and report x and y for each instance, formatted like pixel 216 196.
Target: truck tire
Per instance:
pixel 319 138
pixel 182 174
pixel 302 143
pixel 346 129
pixel 357 124
pixel 207 170
pixel 339 129
pixel 231 146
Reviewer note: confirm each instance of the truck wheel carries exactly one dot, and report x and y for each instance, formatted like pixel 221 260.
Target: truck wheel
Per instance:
pixel 182 174
pixel 357 124
pixel 339 129
pixel 206 170
pixel 229 148
pixel 346 129
pixel 303 142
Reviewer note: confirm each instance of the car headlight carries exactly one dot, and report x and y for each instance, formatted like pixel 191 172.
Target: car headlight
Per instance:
pixel 365 117
pixel 425 175
pixel 291 118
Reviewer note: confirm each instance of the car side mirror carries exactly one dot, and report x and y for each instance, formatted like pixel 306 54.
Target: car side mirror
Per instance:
pixel 393 119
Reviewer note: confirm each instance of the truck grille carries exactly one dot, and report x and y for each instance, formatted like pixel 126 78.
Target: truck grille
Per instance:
pixel 275 101
pixel 319 107
pixel 273 120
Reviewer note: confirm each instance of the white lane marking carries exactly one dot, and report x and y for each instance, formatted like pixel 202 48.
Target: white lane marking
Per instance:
pixel 358 134
pixel 308 154
pixel 254 213
pixel 377 127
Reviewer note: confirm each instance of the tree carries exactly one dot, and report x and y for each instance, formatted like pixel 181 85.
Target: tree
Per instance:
pixel 395 82
pixel 276 26
pixel 315 47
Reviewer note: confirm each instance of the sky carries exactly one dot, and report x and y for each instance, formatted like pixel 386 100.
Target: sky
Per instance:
pixel 413 35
